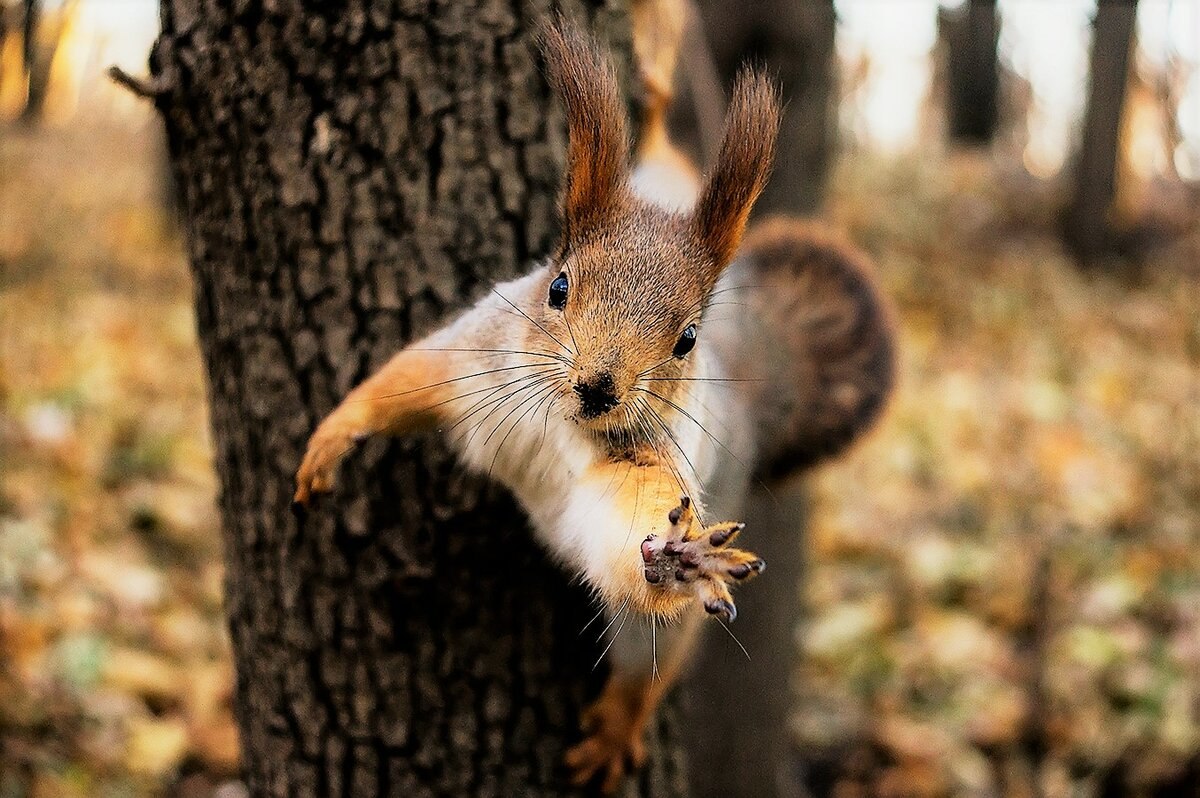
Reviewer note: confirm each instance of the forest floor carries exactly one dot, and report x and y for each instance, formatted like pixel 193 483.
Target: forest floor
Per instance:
pixel 115 673
pixel 1004 585
pixel 1004 592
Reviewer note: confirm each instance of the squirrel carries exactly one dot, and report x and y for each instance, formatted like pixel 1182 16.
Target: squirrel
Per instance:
pixel 628 389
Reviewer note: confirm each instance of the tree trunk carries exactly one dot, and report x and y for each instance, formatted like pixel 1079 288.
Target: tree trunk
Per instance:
pixel 349 179
pixel 37 72
pixel 742 735
pixel 971 33
pixel 1087 228
pixel 795 41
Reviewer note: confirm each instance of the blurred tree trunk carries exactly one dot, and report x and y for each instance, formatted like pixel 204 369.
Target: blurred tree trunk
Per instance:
pixel 971 33
pixel 794 40
pixel 41 36
pixel 5 22
pixel 35 76
pixel 742 734
pixel 349 178
pixel 740 728
pixel 1087 226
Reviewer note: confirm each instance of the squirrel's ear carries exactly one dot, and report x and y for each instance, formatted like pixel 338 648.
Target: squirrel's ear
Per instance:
pixel 743 165
pixel 598 148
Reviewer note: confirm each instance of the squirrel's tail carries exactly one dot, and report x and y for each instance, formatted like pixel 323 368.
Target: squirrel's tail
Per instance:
pixel 658 27
pixel 658 30
pixel 821 347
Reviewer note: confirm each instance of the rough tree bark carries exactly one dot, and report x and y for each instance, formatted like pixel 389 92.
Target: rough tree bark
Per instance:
pixel 971 33
pixel 1087 227
pixel 349 178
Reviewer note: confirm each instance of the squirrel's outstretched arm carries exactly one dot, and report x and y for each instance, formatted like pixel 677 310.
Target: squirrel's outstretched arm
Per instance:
pixel 403 396
pixel 423 385
pixel 646 551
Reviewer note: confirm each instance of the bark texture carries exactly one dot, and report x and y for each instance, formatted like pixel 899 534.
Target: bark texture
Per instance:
pixel 349 177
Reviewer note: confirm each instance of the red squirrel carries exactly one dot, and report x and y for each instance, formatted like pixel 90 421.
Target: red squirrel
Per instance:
pixel 629 388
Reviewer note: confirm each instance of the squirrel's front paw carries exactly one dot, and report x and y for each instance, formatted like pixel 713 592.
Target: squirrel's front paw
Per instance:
pixel 698 559
pixel 326 448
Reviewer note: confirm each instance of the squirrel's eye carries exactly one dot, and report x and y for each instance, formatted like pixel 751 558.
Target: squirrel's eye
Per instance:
pixel 558 292
pixel 687 339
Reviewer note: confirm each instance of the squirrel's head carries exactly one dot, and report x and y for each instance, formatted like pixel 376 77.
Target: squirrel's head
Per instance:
pixel 629 281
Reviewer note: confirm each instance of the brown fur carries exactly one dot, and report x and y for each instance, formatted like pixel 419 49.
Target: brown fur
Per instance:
pixel 402 397
pixel 743 165
pixel 640 274
pixel 598 150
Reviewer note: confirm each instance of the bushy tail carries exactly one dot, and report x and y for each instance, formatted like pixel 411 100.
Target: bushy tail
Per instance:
pixel 824 344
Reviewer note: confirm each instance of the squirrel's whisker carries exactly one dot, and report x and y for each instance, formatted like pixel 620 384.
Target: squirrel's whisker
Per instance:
pixel 570 332
pixel 645 410
pixel 714 439
pixel 599 612
pixel 502 401
pixel 706 301
pixel 499 403
pixel 699 379
pixel 553 355
pixel 492 393
pixel 538 393
pixel 534 323
pixel 546 423
pixel 735 639
pixel 533 386
pixel 654 648
pixel 693 419
pixel 655 366
pixel 486 388
pixel 447 382
pixel 616 634
pixel 613 620
pixel 654 415
pixel 548 402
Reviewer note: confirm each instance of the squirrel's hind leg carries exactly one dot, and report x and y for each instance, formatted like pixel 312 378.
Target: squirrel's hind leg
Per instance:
pixel 646 657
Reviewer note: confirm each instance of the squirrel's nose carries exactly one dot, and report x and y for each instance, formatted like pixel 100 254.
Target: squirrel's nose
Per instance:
pixel 598 395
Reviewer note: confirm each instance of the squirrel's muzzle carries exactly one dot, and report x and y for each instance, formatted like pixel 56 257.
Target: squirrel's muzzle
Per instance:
pixel 597 396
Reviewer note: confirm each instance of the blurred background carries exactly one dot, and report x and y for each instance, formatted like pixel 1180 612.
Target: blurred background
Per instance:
pixel 1002 593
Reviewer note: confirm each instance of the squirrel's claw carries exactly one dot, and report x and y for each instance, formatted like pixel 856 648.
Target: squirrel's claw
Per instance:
pixel 699 559
pixel 325 450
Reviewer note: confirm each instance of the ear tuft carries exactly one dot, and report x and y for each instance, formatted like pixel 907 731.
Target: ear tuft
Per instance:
pixel 598 147
pixel 742 168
